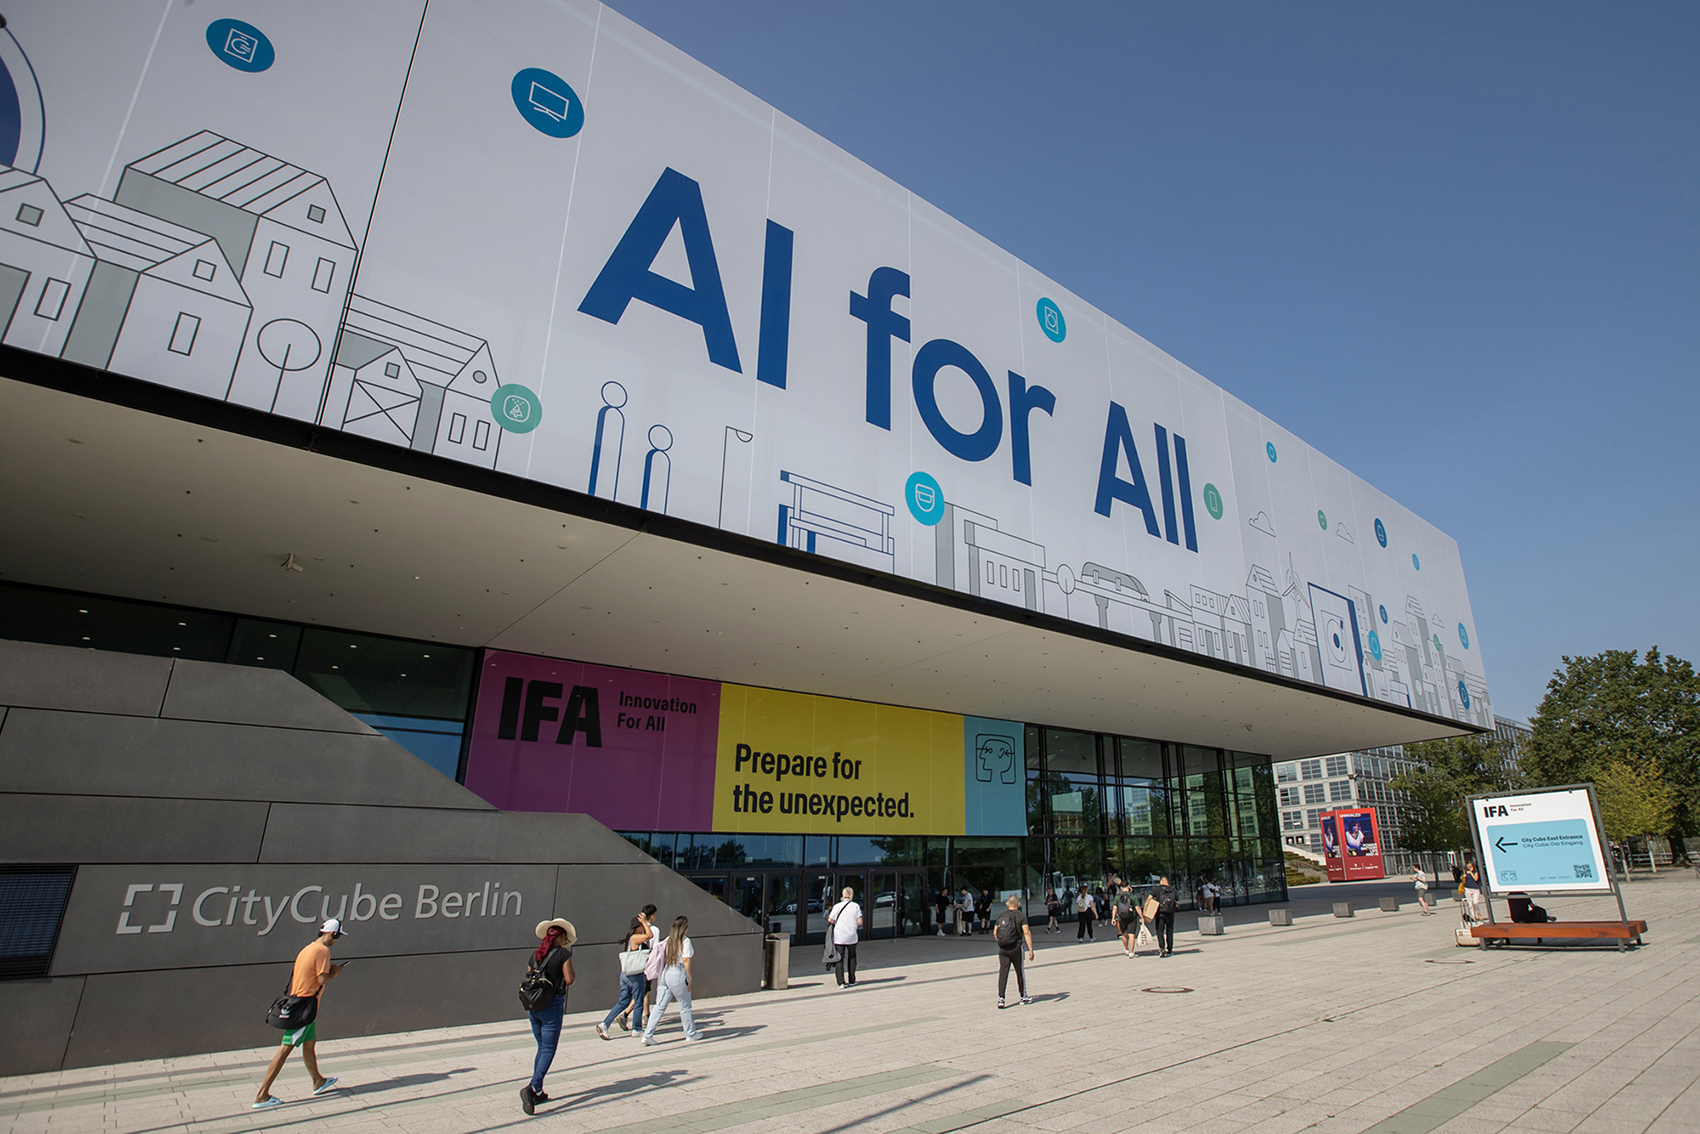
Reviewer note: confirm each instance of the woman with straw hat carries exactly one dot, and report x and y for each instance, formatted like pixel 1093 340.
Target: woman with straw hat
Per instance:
pixel 554 959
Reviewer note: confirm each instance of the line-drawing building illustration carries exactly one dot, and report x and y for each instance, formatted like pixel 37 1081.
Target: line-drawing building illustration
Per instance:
pixel 834 521
pixel 226 272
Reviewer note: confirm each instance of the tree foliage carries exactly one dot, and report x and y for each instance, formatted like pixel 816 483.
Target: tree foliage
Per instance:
pixel 1432 816
pixel 1634 801
pixel 1621 708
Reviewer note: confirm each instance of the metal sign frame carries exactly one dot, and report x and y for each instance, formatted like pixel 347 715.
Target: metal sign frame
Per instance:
pixel 1603 845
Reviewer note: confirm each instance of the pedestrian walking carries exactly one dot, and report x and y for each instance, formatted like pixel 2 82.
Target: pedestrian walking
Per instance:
pixel 634 958
pixel 553 962
pixel 670 967
pixel 1168 900
pixel 1127 922
pixel 1086 912
pixel 313 970
pixel 1053 910
pixel 965 907
pixel 941 902
pixel 1212 894
pixel 985 906
pixel 1421 884
pixel 1013 935
pixel 647 917
pixel 845 921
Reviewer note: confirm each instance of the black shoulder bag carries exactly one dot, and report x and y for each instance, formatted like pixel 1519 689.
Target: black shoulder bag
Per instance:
pixel 291 1012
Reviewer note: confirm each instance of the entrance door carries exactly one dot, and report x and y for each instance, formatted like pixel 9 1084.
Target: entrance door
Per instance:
pixel 747 897
pixel 882 911
pixel 819 901
pixel 914 913
pixel 783 895
pixel 713 883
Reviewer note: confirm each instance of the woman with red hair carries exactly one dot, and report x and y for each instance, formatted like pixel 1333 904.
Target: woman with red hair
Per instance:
pixel 554 959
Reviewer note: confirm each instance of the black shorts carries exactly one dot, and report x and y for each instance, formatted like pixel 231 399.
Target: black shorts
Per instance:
pixel 1126 921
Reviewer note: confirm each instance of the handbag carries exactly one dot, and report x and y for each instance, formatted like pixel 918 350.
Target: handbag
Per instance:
pixel 633 961
pixel 291 1012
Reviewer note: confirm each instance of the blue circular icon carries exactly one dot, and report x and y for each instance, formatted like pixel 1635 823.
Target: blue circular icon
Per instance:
pixel 545 100
pixel 239 45
pixel 1375 645
pixel 1415 562
pixel 1269 447
pixel 1051 321
pixel 515 408
pixel 1463 695
pixel 1384 615
pixel 925 499
pixel 1381 533
pixel 1463 635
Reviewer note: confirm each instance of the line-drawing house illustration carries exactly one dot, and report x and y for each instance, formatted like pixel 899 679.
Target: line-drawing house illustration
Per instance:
pixel 226 272
pixel 837 522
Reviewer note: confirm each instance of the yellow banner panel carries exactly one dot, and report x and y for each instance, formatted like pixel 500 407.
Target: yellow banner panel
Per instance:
pixel 798 763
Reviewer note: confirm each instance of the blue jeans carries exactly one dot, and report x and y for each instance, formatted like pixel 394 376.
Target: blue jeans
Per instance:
pixel 546 1027
pixel 633 988
pixel 673 988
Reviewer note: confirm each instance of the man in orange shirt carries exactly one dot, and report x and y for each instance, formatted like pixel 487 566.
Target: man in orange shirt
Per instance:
pixel 313 970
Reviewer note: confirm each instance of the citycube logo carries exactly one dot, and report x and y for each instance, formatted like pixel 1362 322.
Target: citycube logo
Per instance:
pixel 221 906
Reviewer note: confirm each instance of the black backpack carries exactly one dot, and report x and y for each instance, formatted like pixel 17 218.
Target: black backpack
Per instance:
pixel 1007 931
pixel 537 991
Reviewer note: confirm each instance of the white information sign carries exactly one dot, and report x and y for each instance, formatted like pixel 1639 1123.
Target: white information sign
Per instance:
pixel 1546 841
pixel 534 238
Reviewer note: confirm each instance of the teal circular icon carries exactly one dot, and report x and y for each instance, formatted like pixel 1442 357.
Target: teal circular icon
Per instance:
pixel 1384 615
pixel 1436 640
pixel 545 100
pixel 1416 563
pixel 239 45
pixel 925 499
pixel 1381 533
pixel 1213 501
pixel 1051 321
pixel 1322 519
pixel 1269 447
pixel 1375 645
pixel 515 408
pixel 1463 635
pixel 1463 695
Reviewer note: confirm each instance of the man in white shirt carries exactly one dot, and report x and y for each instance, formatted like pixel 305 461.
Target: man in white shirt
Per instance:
pixel 845 922
pixel 965 925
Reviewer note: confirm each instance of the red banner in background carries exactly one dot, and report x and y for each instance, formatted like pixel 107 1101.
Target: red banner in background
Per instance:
pixel 1351 842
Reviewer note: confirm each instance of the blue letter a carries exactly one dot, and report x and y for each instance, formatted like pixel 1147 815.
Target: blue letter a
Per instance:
pixel 676 199
pixel 1118 439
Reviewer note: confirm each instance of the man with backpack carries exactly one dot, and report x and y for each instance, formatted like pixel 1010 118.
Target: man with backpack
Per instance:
pixel 1012 933
pixel 1168 900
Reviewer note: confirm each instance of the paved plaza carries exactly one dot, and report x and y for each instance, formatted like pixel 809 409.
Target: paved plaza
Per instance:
pixel 1375 1023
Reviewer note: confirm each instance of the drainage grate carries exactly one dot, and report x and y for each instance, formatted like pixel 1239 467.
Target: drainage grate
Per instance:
pixel 1452 961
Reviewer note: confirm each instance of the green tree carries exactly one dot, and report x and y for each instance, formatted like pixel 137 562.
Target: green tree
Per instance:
pixel 1621 707
pixel 1635 801
pixel 1432 816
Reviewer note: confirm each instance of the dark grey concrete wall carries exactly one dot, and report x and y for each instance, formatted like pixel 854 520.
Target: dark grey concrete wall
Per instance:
pixel 176 786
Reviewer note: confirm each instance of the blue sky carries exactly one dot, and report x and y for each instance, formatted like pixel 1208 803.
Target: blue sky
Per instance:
pixel 1455 247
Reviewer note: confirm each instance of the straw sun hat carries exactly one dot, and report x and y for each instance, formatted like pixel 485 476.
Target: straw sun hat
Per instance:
pixel 566 928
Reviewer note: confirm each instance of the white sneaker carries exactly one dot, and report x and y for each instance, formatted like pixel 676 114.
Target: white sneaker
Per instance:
pixel 649 1041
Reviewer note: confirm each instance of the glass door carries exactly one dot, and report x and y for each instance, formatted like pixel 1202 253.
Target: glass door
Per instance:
pixel 881 914
pixel 783 892
pixel 914 911
pixel 712 883
pixel 819 900
pixel 746 897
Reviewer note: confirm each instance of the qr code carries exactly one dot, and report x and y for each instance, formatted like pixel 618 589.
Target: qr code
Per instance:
pixel 1584 870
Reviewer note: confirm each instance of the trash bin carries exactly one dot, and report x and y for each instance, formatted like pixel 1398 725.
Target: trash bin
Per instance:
pixel 1343 909
pixel 778 960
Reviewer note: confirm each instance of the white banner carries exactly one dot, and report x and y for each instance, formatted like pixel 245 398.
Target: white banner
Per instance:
pixel 537 239
pixel 1544 841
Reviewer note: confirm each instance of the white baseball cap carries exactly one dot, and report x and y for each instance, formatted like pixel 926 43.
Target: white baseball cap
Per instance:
pixel 332 925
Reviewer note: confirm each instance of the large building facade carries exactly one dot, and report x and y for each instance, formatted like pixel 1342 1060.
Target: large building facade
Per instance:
pixel 622 449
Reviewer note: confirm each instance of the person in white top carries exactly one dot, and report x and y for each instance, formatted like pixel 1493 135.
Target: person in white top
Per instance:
pixel 670 961
pixel 846 922
pixel 647 916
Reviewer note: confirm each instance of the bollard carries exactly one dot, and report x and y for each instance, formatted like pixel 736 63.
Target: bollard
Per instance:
pixel 1280 917
pixel 1390 905
pixel 1210 925
pixel 1343 909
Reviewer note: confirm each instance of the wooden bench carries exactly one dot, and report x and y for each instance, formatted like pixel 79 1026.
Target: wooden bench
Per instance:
pixel 1505 932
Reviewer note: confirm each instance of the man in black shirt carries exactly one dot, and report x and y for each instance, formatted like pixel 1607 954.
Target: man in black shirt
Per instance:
pixel 1168 900
pixel 1012 934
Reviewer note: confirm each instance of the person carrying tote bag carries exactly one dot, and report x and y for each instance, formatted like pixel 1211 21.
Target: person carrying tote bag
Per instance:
pixel 633 983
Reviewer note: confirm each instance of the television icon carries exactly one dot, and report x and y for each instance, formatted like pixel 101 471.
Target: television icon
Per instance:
pixel 553 103
pixel 240 45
